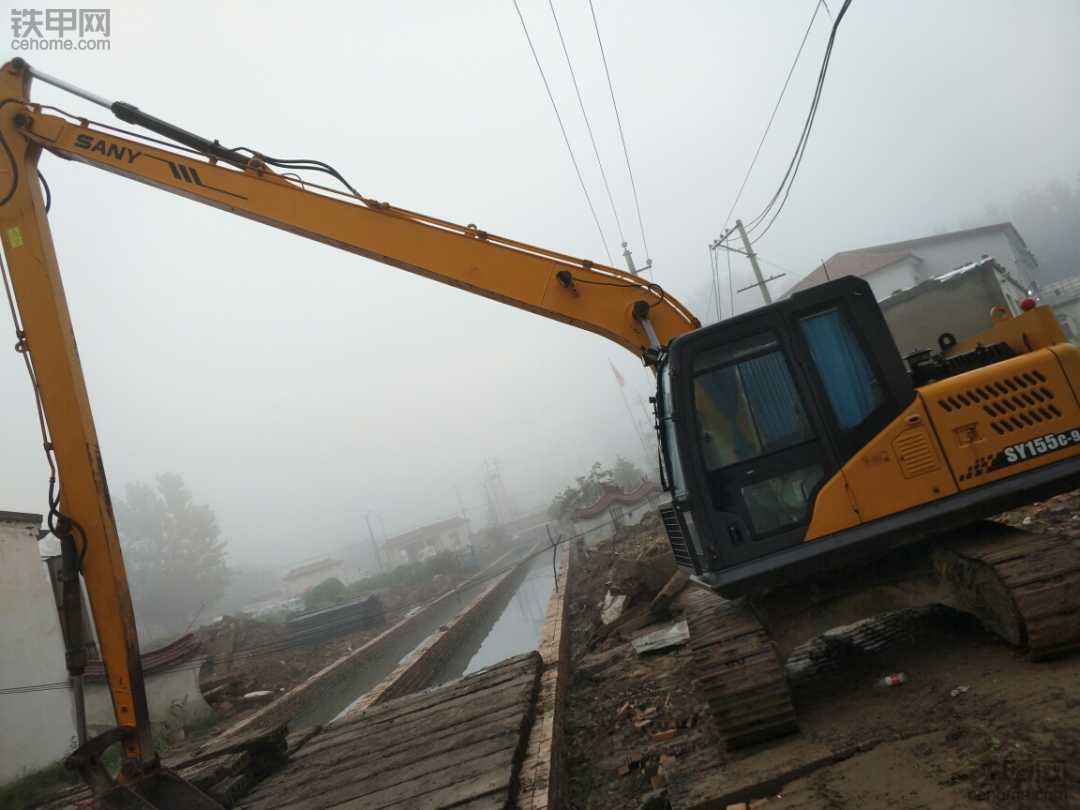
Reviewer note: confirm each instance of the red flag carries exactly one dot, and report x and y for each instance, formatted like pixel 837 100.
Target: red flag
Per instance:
pixel 618 376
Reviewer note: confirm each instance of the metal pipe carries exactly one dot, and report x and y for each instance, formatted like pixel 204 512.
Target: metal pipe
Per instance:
pixel 67 86
pixel 79 697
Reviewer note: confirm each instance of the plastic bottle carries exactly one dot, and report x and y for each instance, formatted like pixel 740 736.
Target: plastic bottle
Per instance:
pixel 893 679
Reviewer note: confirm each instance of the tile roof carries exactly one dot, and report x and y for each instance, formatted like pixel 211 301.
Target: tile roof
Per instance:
pixel 610 497
pixel 863 261
pixel 166 657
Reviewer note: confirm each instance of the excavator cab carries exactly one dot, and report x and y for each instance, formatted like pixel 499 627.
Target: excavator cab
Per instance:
pixel 794 438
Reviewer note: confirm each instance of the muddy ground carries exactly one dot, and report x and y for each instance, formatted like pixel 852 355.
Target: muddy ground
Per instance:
pixel 975 725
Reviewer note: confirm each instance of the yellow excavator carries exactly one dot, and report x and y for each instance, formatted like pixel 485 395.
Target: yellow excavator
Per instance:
pixel 814 477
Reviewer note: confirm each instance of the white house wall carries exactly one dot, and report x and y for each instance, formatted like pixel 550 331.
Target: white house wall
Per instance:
pixel 173 698
pixel 38 727
pixel 902 275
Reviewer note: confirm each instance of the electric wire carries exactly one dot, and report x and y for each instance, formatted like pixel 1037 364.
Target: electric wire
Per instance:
pixel 772 117
pixel 783 191
pixel 60 525
pixel 562 128
pixel 11 159
pixel 622 135
pixel 731 284
pixel 48 192
pixel 588 126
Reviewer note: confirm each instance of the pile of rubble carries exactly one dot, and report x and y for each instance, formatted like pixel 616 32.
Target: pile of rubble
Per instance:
pixel 250 661
pixel 632 682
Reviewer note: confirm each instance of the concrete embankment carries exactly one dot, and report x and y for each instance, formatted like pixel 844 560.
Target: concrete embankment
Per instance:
pixel 542 781
pixel 421 668
pixel 322 696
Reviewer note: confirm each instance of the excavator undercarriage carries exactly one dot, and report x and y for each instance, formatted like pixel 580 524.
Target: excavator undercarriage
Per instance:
pixel 1021 586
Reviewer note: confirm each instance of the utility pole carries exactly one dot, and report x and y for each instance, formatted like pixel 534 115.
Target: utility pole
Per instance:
pixel 630 261
pixel 374 545
pixel 761 281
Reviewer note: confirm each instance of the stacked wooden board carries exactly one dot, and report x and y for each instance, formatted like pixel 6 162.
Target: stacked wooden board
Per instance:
pixel 459 745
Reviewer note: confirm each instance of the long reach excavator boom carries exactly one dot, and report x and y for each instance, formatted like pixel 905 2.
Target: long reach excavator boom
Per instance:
pixel 636 314
pixel 815 476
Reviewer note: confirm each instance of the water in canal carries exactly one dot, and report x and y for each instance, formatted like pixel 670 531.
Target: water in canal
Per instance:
pixel 509 627
pixel 514 627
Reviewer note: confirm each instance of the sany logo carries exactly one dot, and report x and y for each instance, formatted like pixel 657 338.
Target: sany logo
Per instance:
pixel 105 148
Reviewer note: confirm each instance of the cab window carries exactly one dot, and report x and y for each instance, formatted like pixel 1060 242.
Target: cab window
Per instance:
pixel 746 402
pixel 853 388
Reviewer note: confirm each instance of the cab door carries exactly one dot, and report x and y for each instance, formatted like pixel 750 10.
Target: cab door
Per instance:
pixel 772 404
pixel 757 429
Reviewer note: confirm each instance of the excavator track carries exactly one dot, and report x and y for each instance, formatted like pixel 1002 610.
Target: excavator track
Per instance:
pixel 739 671
pixel 1024 587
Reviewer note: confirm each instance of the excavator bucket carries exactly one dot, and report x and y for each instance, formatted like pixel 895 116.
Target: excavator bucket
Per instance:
pixel 159 789
pixel 144 787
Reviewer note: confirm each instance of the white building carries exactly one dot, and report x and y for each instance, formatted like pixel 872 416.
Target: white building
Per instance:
pixel 1064 298
pixel 37 716
pixel 425 542
pixel 308 575
pixel 898 266
pixel 615 508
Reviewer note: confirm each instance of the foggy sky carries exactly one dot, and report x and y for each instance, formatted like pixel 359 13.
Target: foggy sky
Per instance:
pixel 295 387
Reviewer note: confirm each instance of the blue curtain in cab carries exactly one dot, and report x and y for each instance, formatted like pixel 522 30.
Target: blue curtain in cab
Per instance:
pixel 844 369
pixel 774 401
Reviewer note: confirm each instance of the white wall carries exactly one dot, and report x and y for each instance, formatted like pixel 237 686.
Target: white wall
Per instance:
pixel 903 275
pixel 942 256
pixel 297 585
pixel 173 698
pixel 36 728
pixel 601 527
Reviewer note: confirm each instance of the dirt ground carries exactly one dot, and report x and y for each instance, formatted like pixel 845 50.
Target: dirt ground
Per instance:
pixel 975 725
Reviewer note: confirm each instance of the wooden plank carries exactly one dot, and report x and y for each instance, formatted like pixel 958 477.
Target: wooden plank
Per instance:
pixel 375 778
pixel 429 745
pixel 316 770
pixel 454 712
pixel 484 679
pixel 443 720
pixel 451 796
pixel 491 801
pixel 468 780
pixel 500 800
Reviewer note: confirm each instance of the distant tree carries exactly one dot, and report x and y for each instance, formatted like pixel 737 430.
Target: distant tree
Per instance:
pixel 175 557
pixel 1048 219
pixel 627 474
pixel 588 488
pixel 327 593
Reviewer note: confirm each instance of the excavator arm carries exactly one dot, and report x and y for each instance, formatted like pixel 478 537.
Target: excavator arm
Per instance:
pixel 622 307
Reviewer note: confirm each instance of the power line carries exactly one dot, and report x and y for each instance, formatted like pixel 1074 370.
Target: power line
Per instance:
pixel 800 148
pixel 562 128
pixel 772 117
pixel 714 271
pixel 622 136
pixel 588 126
pixel 731 283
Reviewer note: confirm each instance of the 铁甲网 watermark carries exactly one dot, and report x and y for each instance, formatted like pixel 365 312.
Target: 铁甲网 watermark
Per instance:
pixel 61 29
pixel 1022 782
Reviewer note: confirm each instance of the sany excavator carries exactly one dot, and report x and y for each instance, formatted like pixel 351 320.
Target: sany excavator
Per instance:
pixel 815 479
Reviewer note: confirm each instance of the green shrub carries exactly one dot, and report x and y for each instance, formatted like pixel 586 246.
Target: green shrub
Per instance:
pixel 326 594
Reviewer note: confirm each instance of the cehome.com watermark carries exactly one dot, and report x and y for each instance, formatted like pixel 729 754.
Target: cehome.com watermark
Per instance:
pixel 61 29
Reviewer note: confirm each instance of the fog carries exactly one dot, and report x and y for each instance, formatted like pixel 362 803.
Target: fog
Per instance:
pixel 295 387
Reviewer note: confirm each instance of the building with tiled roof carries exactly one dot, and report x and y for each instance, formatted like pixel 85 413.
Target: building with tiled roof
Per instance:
pixel 899 266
